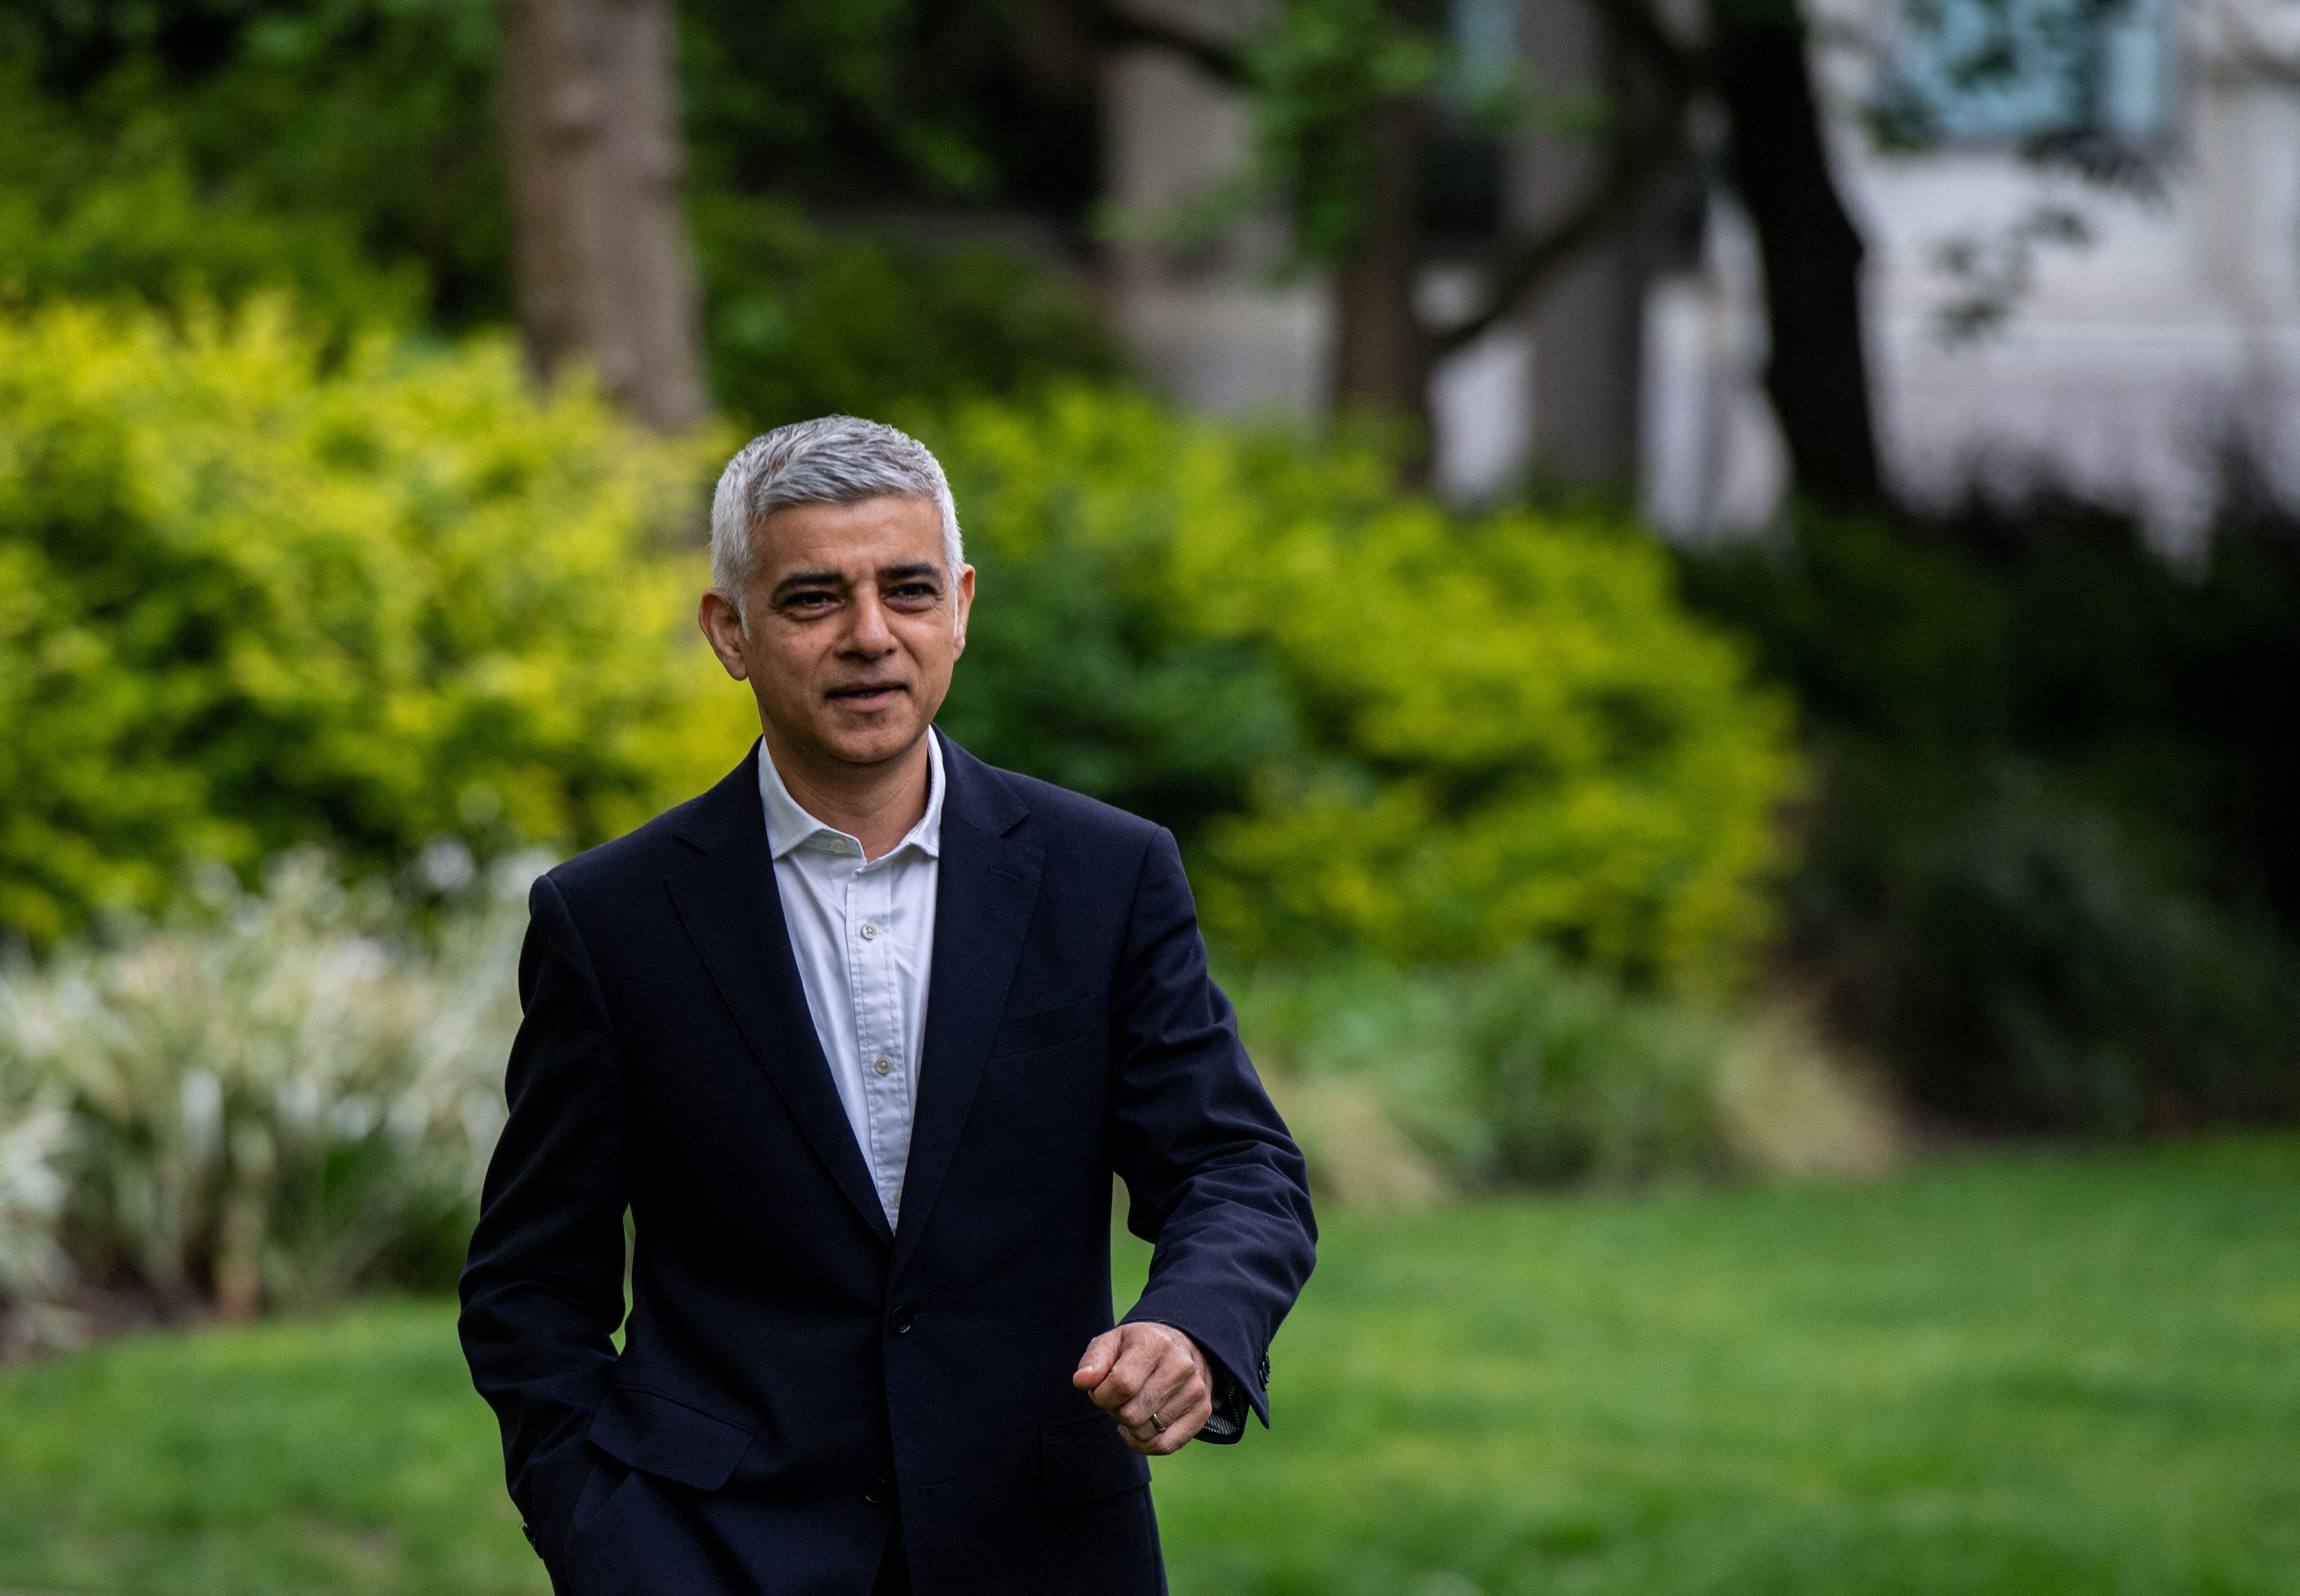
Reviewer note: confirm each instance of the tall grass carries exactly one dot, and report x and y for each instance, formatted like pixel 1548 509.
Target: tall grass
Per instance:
pixel 33 1125
pixel 1524 1072
pixel 270 1098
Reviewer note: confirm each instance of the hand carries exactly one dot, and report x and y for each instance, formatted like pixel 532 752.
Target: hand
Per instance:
pixel 1154 1380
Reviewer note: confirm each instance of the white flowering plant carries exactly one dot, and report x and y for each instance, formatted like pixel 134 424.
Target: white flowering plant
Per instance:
pixel 270 1098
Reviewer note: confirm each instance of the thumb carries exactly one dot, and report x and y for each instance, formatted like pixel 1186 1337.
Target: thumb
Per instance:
pixel 1101 1353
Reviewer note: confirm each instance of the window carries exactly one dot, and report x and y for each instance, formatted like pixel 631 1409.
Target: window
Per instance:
pixel 2030 70
pixel 1461 160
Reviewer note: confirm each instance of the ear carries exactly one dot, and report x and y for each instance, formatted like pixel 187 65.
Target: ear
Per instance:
pixel 722 629
pixel 965 608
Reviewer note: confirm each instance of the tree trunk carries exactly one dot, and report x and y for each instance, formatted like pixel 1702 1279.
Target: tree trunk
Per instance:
pixel 603 270
pixel 1587 314
pixel 1382 356
pixel 1817 373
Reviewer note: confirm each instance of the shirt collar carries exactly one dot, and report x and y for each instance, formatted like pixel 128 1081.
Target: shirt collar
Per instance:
pixel 791 827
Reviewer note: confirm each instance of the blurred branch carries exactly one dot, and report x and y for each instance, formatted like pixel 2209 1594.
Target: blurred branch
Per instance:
pixel 1636 24
pixel 1113 25
pixel 1682 70
pixel 1533 258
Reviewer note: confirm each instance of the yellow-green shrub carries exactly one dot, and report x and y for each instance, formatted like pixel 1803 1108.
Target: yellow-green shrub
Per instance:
pixel 1442 737
pixel 250 595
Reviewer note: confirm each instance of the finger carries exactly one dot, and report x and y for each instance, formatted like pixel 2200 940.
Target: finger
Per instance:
pixel 1170 1388
pixel 1179 1431
pixel 1101 1353
pixel 1178 1435
pixel 1138 1357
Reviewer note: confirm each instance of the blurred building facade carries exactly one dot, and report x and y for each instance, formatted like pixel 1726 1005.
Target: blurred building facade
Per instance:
pixel 2083 273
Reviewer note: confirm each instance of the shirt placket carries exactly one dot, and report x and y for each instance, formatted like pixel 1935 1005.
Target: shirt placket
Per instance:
pixel 885 1083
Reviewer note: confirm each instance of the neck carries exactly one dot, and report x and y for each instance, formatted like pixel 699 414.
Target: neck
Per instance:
pixel 875 804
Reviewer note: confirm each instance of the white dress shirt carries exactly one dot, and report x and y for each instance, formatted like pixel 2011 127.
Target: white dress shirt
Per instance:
pixel 863 936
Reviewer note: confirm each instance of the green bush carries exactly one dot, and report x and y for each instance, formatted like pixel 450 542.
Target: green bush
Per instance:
pixel 111 207
pixel 1521 1071
pixel 272 1098
pixel 33 1130
pixel 803 319
pixel 1378 726
pixel 1517 1070
pixel 346 149
pixel 2033 960
pixel 249 598
pixel 2052 873
pixel 1401 1083
pixel 347 152
pixel 255 600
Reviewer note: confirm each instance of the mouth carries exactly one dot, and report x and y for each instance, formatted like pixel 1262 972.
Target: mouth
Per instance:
pixel 867 696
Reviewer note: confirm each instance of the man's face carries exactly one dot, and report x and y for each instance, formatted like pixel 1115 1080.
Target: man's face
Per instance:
pixel 854 625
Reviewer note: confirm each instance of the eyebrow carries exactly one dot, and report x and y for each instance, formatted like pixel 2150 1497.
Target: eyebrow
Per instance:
pixel 806 578
pixel 924 568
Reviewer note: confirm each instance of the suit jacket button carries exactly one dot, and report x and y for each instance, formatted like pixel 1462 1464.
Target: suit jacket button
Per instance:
pixel 900 1321
pixel 530 1533
pixel 876 1491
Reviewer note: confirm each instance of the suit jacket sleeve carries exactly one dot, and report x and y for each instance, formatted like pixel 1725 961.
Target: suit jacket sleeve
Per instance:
pixel 1216 1182
pixel 543 1291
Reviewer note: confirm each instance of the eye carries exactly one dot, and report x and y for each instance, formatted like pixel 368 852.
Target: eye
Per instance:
pixel 805 602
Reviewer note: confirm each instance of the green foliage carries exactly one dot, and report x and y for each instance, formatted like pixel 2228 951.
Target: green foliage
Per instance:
pixel 1522 1071
pixel 117 210
pixel 1323 71
pixel 1518 1070
pixel 33 1130
pixel 248 598
pixel 1393 730
pixel 1582 1081
pixel 1322 76
pixel 2052 876
pixel 347 150
pixel 344 148
pixel 2033 958
pixel 803 321
pixel 870 102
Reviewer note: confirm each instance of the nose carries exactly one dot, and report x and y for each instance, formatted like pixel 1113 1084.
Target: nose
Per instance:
pixel 867 635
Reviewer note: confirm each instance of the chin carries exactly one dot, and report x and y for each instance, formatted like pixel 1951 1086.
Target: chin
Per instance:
pixel 867 745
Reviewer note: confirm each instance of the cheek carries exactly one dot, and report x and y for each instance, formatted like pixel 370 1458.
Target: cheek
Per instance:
pixel 929 642
pixel 784 665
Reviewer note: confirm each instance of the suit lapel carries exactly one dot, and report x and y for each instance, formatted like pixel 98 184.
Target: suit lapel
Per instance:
pixel 986 891
pixel 733 912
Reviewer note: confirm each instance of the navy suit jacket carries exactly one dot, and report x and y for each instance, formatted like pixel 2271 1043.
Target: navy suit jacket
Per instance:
pixel 794 1374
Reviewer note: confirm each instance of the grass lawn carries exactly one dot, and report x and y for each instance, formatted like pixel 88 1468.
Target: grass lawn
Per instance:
pixel 2020 1375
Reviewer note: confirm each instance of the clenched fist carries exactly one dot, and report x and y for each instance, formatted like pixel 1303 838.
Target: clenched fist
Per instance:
pixel 1154 1380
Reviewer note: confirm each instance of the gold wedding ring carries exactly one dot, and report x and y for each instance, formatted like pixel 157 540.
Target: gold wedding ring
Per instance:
pixel 1157 1423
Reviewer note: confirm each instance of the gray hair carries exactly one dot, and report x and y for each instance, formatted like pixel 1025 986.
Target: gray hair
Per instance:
pixel 832 460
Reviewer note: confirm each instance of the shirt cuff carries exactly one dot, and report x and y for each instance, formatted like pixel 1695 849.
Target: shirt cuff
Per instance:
pixel 1228 1419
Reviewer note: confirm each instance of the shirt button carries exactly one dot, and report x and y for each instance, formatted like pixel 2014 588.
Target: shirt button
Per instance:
pixel 870 929
pixel 882 1064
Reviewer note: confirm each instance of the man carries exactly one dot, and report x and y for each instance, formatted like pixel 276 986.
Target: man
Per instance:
pixel 858 1037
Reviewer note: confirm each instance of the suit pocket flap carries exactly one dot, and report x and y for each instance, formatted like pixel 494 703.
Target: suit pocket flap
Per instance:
pixel 1085 1458
pixel 662 1435
pixel 1048 1027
